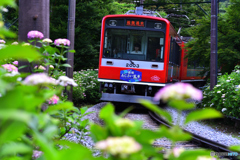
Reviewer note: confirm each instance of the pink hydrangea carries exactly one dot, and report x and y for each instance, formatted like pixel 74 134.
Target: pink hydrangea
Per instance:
pixel 39 78
pixel 53 100
pixel 10 67
pixel 34 34
pixel 15 63
pixel 60 41
pixel 178 91
pixel 2 41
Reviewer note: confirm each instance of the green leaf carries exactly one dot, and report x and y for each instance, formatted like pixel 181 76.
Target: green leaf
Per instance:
pixel 71 51
pixel 235 148
pixel 6 33
pixel 17 115
pixel 83 110
pixel 19 52
pixel 66 65
pixel 98 133
pixel 193 154
pixel 11 131
pixel 156 109
pixel 175 133
pixel 57 107
pixel 203 114
pixel 14 148
pixel 107 112
pixel 8 3
pixel 181 104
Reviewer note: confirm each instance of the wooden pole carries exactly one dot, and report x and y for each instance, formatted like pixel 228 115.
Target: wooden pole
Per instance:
pixel 71 36
pixel 33 15
pixel 213 60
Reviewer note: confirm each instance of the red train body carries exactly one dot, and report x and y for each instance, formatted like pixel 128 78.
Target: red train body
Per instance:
pixel 139 54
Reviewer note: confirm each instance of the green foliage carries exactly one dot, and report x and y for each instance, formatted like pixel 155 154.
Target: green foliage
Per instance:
pixel 228 41
pixel 87 90
pixel 225 95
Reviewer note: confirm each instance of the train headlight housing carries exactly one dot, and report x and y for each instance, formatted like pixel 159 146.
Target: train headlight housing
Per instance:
pixel 106 85
pixel 110 85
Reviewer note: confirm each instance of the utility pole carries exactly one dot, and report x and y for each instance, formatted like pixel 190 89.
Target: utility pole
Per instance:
pixel 71 36
pixel 33 15
pixel 213 59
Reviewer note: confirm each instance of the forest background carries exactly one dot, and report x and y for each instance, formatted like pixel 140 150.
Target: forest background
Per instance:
pixel 194 19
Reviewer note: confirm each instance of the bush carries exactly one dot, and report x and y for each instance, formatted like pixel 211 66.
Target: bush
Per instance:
pixel 225 95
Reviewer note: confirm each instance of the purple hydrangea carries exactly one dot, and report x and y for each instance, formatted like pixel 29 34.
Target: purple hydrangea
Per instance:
pixel 15 63
pixel 60 41
pixel 34 34
pixel 2 41
pixel 10 67
pixel 179 91
pixel 39 78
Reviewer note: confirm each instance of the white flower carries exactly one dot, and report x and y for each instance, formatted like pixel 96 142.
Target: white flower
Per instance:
pixel 26 44
pixel 227 80
pixel 47 40
pixel 223 95
pixel 218 91
pixel 15 43
pixel 224 109
pixel 177 151
pixel 64 81
pixel 122 146
pixel 11 74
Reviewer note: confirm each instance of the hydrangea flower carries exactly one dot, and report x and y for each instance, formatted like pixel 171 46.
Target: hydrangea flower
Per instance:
pixel 12 74
pixel 15 63
pixel 51 66
pixel 10 67
pixel 39 78
pixel 178 91
pixel 121 146
pixel 53 100
pixel 26 44
pixel 64 81
pixel 224 109
pixel 15 43
pixel 124 123
pixel 40 67
pixel 2 41
pixel 60 41
pixel 34 34
pixel 177 151
pixel 47 40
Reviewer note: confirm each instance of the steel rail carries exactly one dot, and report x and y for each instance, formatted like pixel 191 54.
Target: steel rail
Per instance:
pixel 201 141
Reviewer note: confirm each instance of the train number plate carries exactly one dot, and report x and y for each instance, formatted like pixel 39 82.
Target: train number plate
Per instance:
pixel 132 65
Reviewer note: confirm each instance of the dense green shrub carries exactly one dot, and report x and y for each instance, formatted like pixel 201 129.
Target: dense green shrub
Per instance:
pixel 225 95
pixel 88 87
pixel 87 90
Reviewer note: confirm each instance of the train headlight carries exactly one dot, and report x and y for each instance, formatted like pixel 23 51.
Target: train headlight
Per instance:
pixel 106 85
pixel 110 85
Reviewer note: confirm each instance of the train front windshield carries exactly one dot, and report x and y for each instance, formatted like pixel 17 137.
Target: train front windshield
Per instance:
pixel 134 45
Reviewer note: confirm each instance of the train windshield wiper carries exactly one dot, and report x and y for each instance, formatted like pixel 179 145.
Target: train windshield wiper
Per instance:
pixel 130 60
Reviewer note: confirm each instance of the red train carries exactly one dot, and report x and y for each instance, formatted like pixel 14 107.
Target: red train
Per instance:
pixel 139 54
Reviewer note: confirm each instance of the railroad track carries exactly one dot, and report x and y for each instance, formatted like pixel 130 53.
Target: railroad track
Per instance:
pixel 200 141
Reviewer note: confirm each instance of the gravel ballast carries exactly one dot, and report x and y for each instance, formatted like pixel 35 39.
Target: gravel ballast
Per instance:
pixel 194 127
